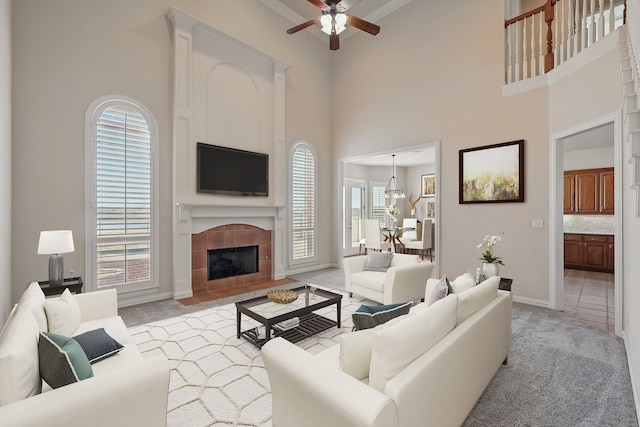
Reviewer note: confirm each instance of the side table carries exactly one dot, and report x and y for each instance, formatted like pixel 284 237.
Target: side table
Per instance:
pixel 74 284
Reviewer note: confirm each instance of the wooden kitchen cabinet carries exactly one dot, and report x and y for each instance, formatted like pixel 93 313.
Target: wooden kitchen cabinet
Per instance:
pixel 595 252
pixel 588 252
pixel 589 192
pixel 569 193
pixel 610 254
pixel 607 192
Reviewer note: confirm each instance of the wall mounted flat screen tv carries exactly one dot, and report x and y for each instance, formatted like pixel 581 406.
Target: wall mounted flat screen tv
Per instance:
pixel 230 171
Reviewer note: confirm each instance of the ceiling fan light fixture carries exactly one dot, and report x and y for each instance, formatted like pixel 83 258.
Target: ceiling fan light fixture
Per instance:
pixel 341 22
pixel 326 22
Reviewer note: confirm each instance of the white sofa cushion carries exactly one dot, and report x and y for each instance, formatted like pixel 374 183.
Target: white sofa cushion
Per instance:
pixel 19 372
pixel 477 297
pixel 63 314
pixel 33 298
pixel 355 353
pixel 397 345
pixel 462 283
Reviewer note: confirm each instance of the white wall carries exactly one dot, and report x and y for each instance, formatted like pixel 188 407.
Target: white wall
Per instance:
pixel 5 159
pixel 631 224
pixel 428 76
pixel 74 51
pixel 592 158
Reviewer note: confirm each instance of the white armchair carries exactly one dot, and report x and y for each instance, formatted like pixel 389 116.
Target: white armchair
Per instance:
pixel 405 279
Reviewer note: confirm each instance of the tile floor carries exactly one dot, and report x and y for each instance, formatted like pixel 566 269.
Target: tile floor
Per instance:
pixel 589 296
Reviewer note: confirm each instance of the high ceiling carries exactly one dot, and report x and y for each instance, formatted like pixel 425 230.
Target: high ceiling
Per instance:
pixel 299 11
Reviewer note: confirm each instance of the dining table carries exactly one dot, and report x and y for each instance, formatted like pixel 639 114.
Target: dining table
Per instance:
pixel 393 235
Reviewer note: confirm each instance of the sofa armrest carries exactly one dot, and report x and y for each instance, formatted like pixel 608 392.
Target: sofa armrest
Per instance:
pixel 98 305
pixel 135 395
pixel 352 265
pixel 307 392
pixel 406 282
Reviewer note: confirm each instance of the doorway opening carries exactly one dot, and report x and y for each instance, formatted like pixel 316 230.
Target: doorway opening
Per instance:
pixel 584 222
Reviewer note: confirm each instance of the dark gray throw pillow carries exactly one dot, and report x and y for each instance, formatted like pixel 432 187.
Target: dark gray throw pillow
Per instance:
pixel 61 360
pixel 378 261
pixel 98 345
pixel 367 316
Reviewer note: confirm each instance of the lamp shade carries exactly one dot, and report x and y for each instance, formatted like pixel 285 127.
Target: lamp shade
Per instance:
pixel 55 242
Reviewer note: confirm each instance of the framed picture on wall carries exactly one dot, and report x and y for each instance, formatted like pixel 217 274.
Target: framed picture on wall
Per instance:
pixel 428 185
pixel 431 210
pixel 492 173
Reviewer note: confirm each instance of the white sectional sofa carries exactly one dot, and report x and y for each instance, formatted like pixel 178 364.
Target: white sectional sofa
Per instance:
pixel 404 280
pixel 125 390
pixel 426 368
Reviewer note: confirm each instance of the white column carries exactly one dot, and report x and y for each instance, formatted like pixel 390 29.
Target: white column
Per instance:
pixel 182 130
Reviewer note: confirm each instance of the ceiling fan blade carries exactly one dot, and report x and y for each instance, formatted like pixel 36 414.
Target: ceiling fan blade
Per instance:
pixel 363 25
pixel 334 41
pixel 303 25
pixel 319 3
pixel 346 4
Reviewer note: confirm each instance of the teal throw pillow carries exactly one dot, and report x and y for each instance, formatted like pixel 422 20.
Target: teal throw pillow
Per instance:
pixel 367 316
pixel 61 360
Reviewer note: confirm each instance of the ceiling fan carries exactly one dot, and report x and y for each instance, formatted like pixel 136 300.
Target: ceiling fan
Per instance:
pixel 334 20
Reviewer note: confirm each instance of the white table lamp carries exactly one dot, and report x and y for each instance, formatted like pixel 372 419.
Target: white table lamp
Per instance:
pixel 55 243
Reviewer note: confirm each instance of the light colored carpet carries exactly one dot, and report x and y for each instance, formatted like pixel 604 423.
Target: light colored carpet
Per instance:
pixel 561 371
pixel 216 378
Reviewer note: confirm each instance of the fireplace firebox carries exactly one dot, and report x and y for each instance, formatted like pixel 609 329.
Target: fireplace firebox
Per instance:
pixel 230 262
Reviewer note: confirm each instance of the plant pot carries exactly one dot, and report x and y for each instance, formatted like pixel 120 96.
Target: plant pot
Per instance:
pixel 489 270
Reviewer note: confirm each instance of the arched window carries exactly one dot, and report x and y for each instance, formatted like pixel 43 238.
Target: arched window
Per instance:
pixel 122 227
pixel 303 203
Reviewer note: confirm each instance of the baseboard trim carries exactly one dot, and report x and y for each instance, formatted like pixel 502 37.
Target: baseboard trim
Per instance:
pixel 633 384
pixel 311 268
pixel 532 301
pixel 126 300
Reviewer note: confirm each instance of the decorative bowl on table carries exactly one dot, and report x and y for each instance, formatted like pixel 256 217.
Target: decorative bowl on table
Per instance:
pixel 282 296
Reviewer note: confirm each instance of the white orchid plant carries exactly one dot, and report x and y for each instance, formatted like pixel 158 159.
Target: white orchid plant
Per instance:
pixel 392 211
pixel 489 242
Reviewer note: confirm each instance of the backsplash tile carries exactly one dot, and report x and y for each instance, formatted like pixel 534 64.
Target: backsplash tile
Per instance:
pixel 601 224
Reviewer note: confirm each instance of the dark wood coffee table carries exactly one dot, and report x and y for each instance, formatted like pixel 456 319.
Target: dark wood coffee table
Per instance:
pixel 269 313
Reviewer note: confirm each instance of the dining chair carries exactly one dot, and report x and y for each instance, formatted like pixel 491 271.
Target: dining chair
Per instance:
pixel 425 243
pixel 372 240
pixel 410 235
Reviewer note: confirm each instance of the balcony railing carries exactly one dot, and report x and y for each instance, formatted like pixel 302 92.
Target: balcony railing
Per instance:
pixel 547 36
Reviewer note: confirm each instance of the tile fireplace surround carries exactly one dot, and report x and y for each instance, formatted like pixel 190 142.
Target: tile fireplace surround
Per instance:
pixel 228 236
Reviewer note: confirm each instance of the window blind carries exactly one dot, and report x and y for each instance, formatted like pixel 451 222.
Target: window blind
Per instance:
pixel 303 204
pixel 123 198
pixel 378 204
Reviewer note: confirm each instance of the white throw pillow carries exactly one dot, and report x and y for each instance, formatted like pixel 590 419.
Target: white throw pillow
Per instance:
pixel 19 369
pixel 33 298
pixel 63 314
pixel 397 345
pixel 462 283
pixel 477 297
pixel 356 347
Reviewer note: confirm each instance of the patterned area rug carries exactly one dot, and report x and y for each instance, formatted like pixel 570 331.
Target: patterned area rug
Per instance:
pixel 216 378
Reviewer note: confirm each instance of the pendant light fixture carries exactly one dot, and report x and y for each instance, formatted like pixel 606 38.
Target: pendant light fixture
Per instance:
pixel 393 189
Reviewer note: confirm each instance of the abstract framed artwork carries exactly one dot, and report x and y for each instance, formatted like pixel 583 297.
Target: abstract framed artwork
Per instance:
pixel 492 173
pixel 428 185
